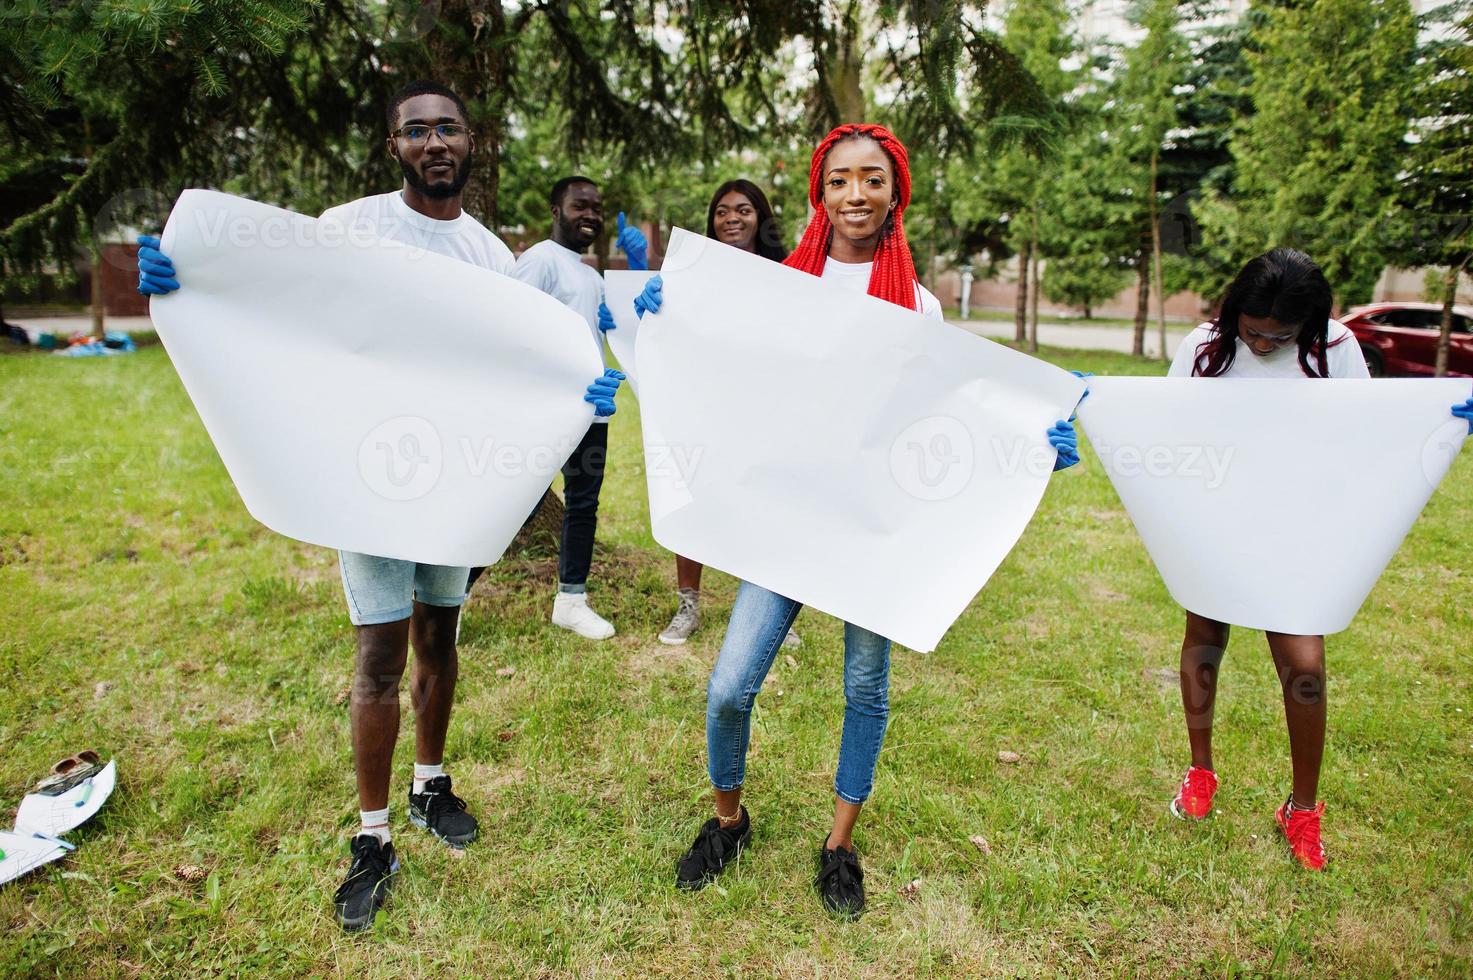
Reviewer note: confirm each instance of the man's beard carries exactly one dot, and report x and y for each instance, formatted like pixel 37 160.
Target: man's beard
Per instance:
pixel 440 191
pixel 572 232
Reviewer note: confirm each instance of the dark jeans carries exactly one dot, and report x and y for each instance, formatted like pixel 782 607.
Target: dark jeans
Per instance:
pixel 583 478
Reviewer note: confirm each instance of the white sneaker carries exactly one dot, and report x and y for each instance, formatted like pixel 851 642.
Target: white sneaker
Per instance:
pixel 687 619
pixel 570 610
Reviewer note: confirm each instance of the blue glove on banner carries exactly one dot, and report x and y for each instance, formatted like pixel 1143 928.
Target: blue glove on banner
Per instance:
pixel 601 393
pixel 1465 412
pixel 156 275
pixel 633 242
pixel 1082 375
pixel 605 319
pixel 649 301
pixel 1063 438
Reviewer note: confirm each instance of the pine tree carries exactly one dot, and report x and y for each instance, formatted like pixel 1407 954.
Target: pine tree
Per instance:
pixel 1316 165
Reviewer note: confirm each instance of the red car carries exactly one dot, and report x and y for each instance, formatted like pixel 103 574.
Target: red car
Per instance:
pixel 1401 338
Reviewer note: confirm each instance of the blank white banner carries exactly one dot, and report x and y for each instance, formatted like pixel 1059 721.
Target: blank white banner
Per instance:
pixel 620 288
pixel 854 456
pixel 1274 505
pixel 367 395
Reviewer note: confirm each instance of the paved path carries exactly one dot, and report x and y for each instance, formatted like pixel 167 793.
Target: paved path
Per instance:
pixel 1053 334
pixel 1078 337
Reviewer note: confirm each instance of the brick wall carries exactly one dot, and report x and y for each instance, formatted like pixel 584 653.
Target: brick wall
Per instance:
pixel 120 295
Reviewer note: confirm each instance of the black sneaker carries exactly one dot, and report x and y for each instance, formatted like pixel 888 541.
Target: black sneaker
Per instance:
pixel 442 813
pixel 364 891
pixel 840 881
pixel 715 847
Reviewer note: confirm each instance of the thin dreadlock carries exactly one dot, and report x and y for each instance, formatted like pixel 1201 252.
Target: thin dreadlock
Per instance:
pixel 893 276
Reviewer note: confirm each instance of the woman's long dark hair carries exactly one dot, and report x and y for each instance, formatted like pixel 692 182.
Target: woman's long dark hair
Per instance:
pixel 769 238
pixel 1285 285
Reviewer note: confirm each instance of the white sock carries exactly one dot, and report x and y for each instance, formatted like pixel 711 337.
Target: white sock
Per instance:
pixel 375 824
pixel 424 773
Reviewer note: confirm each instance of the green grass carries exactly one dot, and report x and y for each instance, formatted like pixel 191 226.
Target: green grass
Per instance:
pixel 147 615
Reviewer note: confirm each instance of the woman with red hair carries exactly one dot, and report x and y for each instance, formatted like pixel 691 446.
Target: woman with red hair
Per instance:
pixel 859 185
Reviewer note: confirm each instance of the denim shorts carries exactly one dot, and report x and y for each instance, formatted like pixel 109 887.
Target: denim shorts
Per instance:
pixel 384 590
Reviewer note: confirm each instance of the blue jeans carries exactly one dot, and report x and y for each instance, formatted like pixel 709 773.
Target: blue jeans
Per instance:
pixel 384 590
pixel 759 621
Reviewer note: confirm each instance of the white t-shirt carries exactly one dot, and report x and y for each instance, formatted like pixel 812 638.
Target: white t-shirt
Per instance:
pixel 387 216
pixel 560 273
pixel 1343 359
pixel 855 276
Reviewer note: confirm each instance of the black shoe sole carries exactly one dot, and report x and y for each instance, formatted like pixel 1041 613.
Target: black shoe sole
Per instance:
pixel 845 915
pixel 455 842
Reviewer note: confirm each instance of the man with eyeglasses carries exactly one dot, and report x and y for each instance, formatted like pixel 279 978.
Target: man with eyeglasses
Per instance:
pixel 394 603
pixel 555 266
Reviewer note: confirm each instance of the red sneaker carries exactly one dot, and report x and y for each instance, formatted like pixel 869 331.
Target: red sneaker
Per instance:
pixel 1194 801
pixel 1302 830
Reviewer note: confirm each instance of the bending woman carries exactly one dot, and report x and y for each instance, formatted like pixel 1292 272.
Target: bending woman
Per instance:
pixel 1274 323
pixel 859 186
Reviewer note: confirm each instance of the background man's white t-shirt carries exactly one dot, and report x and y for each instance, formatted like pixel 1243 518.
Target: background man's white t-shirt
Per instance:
pixel 1343 359
pixel 387 216
pixel 855 276
pixel 560 273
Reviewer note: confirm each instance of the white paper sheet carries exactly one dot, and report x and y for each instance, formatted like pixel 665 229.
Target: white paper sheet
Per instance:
pixel 24 853
pixel 366 395
pixel 839 450
pixel 1274 505
pixel 55 815
pixel 620 288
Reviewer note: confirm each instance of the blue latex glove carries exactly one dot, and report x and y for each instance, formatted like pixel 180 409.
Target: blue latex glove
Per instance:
pixel 1081 375
pixel 601 393
pixel 1465 412
pixel 605 319
pixel 156 275
pixel 633 242
pixel 649 301
pixel 1063 438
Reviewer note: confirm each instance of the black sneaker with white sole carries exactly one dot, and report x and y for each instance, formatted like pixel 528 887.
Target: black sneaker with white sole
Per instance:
pixel 442 813
pixel 715 847
pixel 840 881
pixel 366 888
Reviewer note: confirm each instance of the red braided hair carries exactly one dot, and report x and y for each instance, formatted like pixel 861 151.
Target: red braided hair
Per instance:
pixel 893 277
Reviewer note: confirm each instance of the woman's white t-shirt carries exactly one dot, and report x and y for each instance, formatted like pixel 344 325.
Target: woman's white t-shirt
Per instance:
pixel 855 276
pixel 1343 359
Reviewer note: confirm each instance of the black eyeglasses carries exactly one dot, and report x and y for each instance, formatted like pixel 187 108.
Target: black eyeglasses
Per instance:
pixel 417 135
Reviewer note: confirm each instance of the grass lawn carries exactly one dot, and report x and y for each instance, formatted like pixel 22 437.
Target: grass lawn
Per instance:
pixel 145 614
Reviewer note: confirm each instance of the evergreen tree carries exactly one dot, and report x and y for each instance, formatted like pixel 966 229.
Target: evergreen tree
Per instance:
pixel 1316 165
pixel 1437 186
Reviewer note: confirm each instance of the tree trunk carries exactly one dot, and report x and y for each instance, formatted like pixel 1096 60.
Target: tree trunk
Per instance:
pixel 478 74
pixel 1445 336
pixel 838 93
pixel 1020 316
pixel 542 533
pixel 1156 255
pixel 1142 306
pixel 1033 292
pixel 99 313
pixel 1089 313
